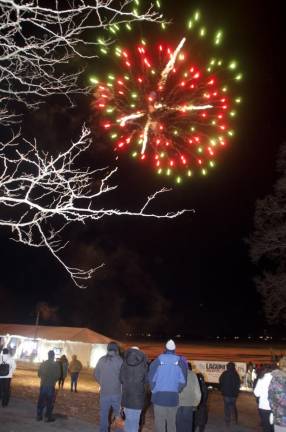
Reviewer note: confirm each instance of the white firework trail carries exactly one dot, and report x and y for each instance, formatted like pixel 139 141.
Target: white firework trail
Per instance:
pixel 169 66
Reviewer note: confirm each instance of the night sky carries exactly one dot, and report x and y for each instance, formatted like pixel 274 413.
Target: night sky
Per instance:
pixel 191 275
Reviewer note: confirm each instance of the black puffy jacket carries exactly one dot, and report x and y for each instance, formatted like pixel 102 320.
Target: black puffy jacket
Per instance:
pixel 229 381
pixel 133 377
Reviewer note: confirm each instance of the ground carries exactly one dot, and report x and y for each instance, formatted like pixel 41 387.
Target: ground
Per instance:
pixel 79 411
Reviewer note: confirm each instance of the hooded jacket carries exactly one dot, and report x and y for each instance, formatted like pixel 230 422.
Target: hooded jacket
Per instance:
pixel 229 381
pixel 133 377
pixel 277 397
pixel 6 358
pixel 167 377
pixel 106 373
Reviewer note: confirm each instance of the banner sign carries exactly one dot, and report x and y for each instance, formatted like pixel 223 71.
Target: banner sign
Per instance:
pixel 212 370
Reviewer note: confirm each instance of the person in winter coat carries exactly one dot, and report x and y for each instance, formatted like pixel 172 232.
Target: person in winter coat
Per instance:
pixel 49 372
pixel 277 396
pixel 75 367
pixel 189 399
pixel 261 392
pixel 167 377
pixel 229 382
pixel 64 365
pixel 5 379
pixel 201 414
pixel 133 377
pixel 106 373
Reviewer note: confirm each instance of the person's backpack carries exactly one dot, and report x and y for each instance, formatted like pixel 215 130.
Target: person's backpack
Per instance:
pixel 4 369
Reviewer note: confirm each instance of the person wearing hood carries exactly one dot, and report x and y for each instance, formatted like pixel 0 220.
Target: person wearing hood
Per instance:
pixel 106 373
pixel 133 377
pixel 277 396
pixel 7 368
pixel 229 383
pixel 167 377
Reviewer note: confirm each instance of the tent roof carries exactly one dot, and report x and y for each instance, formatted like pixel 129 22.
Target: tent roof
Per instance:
pixel 75 334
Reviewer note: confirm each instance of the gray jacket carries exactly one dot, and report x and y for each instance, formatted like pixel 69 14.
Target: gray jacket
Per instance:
pixel 107 372
pixel 191 394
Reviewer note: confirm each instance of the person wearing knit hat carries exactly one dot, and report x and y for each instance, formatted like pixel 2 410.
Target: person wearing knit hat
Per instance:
pixel 170 345
pixel 167 377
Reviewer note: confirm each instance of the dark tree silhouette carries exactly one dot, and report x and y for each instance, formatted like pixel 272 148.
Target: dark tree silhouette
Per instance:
pixel 268 246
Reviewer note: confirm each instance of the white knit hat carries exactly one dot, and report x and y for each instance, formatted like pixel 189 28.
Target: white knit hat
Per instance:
pixel 170 345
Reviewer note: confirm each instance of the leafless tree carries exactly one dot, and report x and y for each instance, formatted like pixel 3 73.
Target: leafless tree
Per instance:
pixel 36 40
pixel 268 246
pixel 41 194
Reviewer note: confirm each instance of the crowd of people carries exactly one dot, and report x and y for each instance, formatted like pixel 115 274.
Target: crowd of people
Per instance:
pixel 176 392
pixel 129 383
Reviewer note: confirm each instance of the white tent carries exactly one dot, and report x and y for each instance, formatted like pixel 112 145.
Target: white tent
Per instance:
pixel 32 343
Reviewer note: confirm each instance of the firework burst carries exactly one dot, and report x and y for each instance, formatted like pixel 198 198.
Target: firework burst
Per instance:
pixel 167 107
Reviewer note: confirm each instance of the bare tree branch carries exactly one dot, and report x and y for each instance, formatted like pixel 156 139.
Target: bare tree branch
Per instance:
pixel 35 41
pixel 40 195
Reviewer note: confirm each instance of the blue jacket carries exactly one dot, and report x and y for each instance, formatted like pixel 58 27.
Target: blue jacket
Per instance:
pixel 167 377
